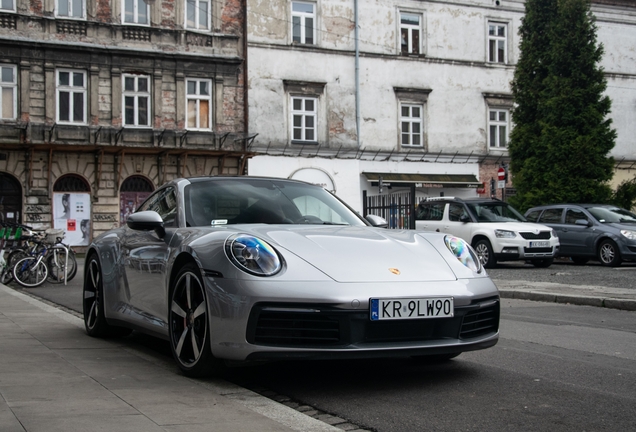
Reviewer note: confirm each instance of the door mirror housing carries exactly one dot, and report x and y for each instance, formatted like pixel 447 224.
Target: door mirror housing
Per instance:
pixel 377 221
pixel 583 222
pixel 146 221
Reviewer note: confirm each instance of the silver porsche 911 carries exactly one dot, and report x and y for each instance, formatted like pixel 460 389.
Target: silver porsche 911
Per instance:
pixel 244 268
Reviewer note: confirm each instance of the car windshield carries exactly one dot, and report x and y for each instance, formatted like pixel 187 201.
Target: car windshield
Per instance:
pixel 612 215
pixel 495 212
pixel 270 201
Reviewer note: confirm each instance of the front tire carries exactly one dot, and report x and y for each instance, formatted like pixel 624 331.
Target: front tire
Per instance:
pixel 485 253
pixel 189 325
pixel 608 253
pixel 93 304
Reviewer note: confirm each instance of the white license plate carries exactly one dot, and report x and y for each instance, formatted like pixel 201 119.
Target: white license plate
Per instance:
pixel 417 308
pixel 538 244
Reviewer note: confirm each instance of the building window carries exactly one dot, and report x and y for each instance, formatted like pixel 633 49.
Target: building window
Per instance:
pixel 7 5
pixel 497 42
pixel 136 12
pixel 498 128
pixel 136 100
pixel 304 22
pixel 304 116
pixel 71 96
pixel 9 92
pixel 70 8
pixel 411 124
pixel 410 31
pixel 198 14
pixel 199 103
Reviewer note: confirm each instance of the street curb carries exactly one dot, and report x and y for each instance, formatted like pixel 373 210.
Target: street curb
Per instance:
pixel 610 303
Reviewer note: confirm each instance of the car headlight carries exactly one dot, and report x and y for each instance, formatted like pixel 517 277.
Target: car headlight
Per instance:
pixel 629 234
pixel 553 233
pixel 463 252
pixel 505 234
pixel 253 255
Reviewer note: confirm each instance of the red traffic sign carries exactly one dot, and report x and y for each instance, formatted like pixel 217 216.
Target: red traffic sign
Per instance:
pixel 501 174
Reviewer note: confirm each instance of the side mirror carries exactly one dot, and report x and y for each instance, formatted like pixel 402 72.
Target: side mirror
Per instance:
pixel 464 218
pixel 146 221
pixel 377 221
pixel 583 222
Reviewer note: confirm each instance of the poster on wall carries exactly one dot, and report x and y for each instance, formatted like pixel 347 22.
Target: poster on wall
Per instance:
pixel 72 213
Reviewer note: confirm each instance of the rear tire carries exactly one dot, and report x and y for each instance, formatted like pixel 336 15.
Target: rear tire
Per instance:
pixel 93 303
pixel 542 263
pixel 56 266
pixel 579 260
pixel 485 253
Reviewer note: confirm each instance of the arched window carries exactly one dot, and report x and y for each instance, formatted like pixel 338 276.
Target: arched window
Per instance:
pixel 71 183
pixel 134 190
pixel 10 199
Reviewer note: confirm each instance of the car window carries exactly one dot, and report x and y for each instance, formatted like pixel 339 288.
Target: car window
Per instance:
pixel 551 216
pixel 533 216
pixel 226 202
pixel 430 211
pixel 496 212
pixel 456 212
pixel 612 215
pixel 164 202
pixel 572 215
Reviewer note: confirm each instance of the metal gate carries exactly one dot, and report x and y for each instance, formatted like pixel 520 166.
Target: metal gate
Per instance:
pixel 398 209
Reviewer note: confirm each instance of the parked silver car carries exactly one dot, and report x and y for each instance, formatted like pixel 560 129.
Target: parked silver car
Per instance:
pixel 588 231
pixel 243 268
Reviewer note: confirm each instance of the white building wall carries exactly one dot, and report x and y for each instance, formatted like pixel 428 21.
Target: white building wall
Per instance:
pixel 452 67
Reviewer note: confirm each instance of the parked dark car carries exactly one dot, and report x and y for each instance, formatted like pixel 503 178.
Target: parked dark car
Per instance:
pixel 588 231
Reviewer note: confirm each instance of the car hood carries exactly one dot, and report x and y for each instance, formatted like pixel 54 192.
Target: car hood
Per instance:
pixel 361 254
pixel 521 227
pixel 621 226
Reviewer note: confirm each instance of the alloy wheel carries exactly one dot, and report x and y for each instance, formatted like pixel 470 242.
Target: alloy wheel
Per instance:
pixel 189 319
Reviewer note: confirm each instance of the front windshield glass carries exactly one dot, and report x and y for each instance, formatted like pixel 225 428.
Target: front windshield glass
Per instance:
pixel 495 212
pixel 270 201
pixel 612 215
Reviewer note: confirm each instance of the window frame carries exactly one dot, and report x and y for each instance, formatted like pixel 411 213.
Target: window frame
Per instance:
pixel 305 114
pixel 135 13
pixel 410 27
pixel 137 95
pixel 82 15
pixel 72 89
pixel 495 38
pixel 197 9
pixel 12 9
pixel 14 87
pixel 409 119
pixel 198 98
pixel 302 17
pixel 498 124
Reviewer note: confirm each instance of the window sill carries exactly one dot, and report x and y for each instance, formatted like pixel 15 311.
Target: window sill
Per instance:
pixel 314 143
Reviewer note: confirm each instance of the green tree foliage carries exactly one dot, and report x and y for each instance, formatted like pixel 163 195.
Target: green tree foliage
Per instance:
pixel 625 194
pixel 562 137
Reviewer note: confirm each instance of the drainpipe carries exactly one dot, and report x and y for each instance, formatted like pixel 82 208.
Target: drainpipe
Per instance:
pixel 355 18
pixel 246 118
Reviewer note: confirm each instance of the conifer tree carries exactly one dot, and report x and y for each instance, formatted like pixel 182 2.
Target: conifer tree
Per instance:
pixel 562 137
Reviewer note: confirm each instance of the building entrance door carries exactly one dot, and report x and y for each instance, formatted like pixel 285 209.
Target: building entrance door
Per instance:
pixel 10 199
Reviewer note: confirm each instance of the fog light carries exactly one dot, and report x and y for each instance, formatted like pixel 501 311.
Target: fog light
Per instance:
pixel 510 250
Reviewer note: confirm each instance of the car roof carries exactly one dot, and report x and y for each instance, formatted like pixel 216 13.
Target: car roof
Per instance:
pixel 586 206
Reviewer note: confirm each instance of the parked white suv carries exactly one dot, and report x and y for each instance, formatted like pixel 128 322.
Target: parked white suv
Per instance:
pixel 494 229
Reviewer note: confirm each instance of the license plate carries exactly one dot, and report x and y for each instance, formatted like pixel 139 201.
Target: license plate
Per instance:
pixel 539 244
pixel 417 308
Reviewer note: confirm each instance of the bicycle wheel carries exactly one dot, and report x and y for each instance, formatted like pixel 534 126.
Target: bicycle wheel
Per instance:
pixel 6 275
pixel 30 272
pixel 58 267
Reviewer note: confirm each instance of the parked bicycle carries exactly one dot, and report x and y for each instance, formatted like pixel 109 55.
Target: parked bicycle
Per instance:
pixel 48 259
pixel 12 237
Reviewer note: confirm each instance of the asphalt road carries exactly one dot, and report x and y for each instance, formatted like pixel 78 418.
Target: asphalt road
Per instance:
pixel 556 368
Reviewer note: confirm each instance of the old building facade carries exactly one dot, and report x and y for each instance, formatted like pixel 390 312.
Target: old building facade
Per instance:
pixel 105 100
pixel 416 92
